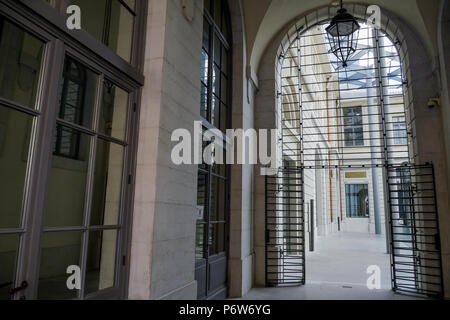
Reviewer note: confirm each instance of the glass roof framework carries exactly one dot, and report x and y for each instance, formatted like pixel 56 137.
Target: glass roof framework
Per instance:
pixel 362 62
pixel 315 89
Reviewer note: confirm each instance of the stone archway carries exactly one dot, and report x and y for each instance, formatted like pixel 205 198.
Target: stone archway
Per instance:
pixel 421 84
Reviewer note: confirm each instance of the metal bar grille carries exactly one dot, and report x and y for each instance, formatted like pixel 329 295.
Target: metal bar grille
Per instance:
pixel 337 118
pixel 285 237
pixel 416 257
pixel 356 114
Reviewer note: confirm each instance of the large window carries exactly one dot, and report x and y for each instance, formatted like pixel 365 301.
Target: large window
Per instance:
pixel 109 21
pixel 213 181
pixel 215 79
pixel 88 211
pixel 399 129
pixel 66 130
pixel 353 127
pixel 357 200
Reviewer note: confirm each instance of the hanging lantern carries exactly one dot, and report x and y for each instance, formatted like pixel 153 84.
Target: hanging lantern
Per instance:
pixel 342 35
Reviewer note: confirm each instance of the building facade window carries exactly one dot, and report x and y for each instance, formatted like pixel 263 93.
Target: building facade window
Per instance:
pixel 111 22
pixel 357 200
pixel 399 129
pixel 353 126
pixel 67 128
pixel 213 181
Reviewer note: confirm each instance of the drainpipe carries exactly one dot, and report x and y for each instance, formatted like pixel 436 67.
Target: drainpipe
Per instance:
pixel 340 193
pixel 340 163
pixel 374 119
pixel 330 172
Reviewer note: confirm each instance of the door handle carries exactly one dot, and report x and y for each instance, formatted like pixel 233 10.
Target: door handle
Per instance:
pixel 23 286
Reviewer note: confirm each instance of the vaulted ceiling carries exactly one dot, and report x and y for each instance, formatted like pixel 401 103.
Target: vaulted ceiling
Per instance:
pixel 265 18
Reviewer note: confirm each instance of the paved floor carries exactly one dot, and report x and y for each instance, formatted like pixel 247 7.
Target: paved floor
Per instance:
pixel 337 270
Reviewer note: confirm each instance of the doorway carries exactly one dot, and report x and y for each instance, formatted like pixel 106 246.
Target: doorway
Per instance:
pixel 66 153
pixel 351 129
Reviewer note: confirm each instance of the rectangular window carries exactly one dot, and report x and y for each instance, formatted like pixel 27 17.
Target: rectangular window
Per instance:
pixel 357 200
pixel 110 22
pixel 20 64
pixel 399 129
pixel 77 100
pixel 353 127
pixel 85 187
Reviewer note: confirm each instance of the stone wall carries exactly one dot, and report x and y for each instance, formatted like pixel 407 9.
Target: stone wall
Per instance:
pixel 163 240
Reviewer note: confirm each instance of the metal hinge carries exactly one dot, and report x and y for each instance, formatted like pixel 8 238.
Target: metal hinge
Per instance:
pixel 124 261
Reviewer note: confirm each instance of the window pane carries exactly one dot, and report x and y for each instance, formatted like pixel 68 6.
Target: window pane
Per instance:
pixel 205 67
pixel 206 35
pixel 106 197
pixel 217 238
pixel 121 30
pixel 202 198
pixel 204 102
pixel 215 112
pixel 223 117
pixel 399 130
pixel 224 89
pixel 8 255
pixel 359 136
pixel 225 26
pixel 202 195
pixel 222 200
pixel 112 25
pixel 78 93
pixel 113 117
pixel 59 251
pixel 214 198
pixel 353 129
pixel 357 200
pixel 199 245
pixel 217 53
pixel 216 81
pixel 224 60
pixel 68 180
pixel 218 12
pixel 93 16
pixel 101 260
pixel 20 64
pixel 15 132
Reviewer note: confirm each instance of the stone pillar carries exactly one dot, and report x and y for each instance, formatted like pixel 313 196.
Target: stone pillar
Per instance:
pixel 163 235
pixel 240 264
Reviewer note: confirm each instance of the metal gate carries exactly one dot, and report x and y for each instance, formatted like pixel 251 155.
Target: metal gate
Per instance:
pixel 285 225
pixel 338 119
pixel 416 256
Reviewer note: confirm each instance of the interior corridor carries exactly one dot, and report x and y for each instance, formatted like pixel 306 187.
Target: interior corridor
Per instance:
pixel 337 270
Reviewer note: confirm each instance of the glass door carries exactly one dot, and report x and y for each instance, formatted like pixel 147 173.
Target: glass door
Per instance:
pixel 21 67
pixel 213 180
pixel 82 216
pixel 66 128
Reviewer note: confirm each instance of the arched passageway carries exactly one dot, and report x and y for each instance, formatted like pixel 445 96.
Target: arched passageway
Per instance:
pixel 350 163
